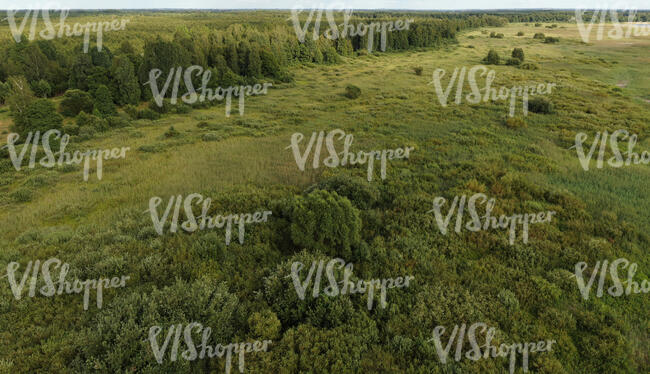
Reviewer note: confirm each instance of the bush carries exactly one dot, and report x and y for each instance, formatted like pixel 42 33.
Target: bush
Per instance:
pixel 539 35
pixel 352 91
pixel 359 191
pixel 513 61
pixel 71 129
pixel 131 111
pixel 182 108
pixel 495 35
pixel 42 88
pixel 171 132
pixel 22 195
pixel 418 70
pixel 204 301
pixel 148 114
pixel 165 108
pixel 492 58
pixel 117 122
pixel 529 66
pixel 211 137
pixel 514 122
pixel 87 132
pixel 84 120
pixel 538 25
pixel 39 115
pixel 76 101
pixel 520 33
pixel 540 105
pixel 518 53
pixel 325 221
pixel 550 39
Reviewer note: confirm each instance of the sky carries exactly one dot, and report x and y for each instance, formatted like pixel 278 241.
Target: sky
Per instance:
pixel 350 4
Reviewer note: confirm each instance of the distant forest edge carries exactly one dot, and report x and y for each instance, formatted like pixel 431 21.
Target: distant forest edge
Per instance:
pixel 235 50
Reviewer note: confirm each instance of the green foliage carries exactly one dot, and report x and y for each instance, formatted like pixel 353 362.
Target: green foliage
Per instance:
pixel 325 221
pixel 520 33
pixel 529 66
pixel 492 58
pixel 264 325
pixel 352 91
pixel 19 96
pixel 540 105
pixel 119 334
pixel 41 88
pixel 360 192
pixel 518 53
pixel 513 61
pixel 87 121
pixel 514 122
pixel 322 311
pixel 5 89
pixel 171 132
pixel 124 84
pixel 418 70
pixel 40 115
pixel 76 101
pixel 104 102
pixel 539 35
pixel 551 39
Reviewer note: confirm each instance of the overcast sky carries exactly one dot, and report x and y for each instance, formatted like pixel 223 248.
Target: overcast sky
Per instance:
pixel 356 4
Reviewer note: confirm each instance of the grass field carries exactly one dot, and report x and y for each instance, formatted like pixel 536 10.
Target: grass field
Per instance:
pixel 601 85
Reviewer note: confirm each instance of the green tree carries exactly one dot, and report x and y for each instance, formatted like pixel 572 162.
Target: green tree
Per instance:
pixel 232 57
pixel 518 53
pixel 20 95
pixel 325 221
pixel 254 67
pixel 270 64
pixel 492 58
pixel 42 88
pixel 5 89
pixel 75 101
pixel 39 115
pixel 80 73
pixel 104 102
pixel 124 83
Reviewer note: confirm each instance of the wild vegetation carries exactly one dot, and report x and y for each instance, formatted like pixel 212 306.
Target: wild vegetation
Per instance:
pixel 383 227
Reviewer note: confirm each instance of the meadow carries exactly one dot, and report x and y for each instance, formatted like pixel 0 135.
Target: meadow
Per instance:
pixel 101 227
